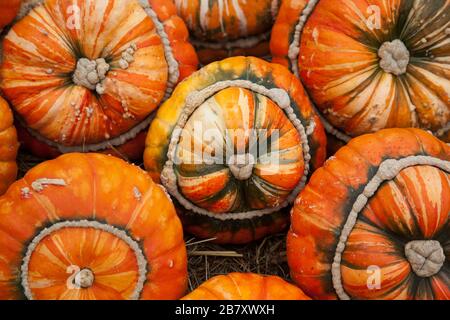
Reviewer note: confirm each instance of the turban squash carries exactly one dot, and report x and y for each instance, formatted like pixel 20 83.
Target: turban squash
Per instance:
pixel 8 147
pixel 246 286
pixel 90 226
pixel 370 64
pixel 234 145
pixel 87 75
pixel 224 28
pixel 373 222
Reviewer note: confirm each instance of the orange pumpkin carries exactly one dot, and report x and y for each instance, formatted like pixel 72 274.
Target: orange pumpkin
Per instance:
pixel 8 147
pixel 88 76
pixel 9 10
pixel 246 286
pixel 225 28
pixel 90 226
pixel 373 222
pixel 234 145
pixel 370 64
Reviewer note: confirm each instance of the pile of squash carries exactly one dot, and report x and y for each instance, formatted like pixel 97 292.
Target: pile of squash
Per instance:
pixel 251 117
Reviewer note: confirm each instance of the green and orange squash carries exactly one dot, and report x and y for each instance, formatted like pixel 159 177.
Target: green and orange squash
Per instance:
pixel 246 286
pixel 206 145
pixel 90 227
pixel 225 28
pixel 88 76
pixel 8 147
pixel 373 222
pixel 370 64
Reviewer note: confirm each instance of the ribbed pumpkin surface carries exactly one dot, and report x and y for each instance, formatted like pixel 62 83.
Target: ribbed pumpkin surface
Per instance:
pixel 225 28
pixel 213 186
pixel 373 222
pixel 87 77
pixel 234 145
pixel 246 286
pixel 370 65
pixel 8 147
pixel 90 227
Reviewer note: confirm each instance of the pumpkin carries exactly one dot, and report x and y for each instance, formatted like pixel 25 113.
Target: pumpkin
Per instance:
pixel 370 64
pixel 234 145
pixel 9 10
pixel 224 28
pixel 246 286
pixel 90 226
pixel 87 76
pixel 8 147
pixel 373 222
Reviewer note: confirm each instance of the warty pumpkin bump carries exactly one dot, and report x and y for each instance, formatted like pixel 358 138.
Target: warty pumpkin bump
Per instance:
pixel 88 75
pixel 8 147
pixel 246 286
pixel 369 65
pixel 373 222
pixel 234 145
pixel 224 28
pixel 90 226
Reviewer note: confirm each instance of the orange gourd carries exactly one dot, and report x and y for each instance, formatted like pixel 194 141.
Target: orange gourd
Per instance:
pixel 88 76
pixel 370 64
pixel 373 222
pixel 9 10
pixel 234 145
pixel 224 28
pixel 8 147
pixel 246 286
pixel 90 226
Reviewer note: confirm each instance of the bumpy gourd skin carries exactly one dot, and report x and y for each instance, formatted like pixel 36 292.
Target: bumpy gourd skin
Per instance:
pixel 97 79
pixel 111 202
pixel 369 65
pixel 216 189
pixel 401 231
pixel 246 286
pixel 8 147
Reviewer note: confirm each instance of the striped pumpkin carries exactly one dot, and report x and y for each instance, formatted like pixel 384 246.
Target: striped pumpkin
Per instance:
pixel 370 64
pixel 223 28
pixel 87 75
pixel 8 147
pixel 234 145
pixel 246 286
pixel 373 222
pixel 90 226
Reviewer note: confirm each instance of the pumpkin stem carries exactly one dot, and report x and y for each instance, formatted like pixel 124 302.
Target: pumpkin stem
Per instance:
pixel 241 165
pixel 426 257
pixel 394 57
pixel 91 73
pixel 84 278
